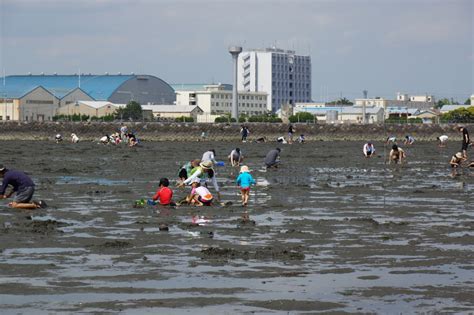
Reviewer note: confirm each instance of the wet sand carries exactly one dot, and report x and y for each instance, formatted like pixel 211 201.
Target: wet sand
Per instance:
pixel 329 231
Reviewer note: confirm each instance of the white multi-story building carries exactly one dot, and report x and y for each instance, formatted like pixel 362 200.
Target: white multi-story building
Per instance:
pixel 283 75
pixel 216 99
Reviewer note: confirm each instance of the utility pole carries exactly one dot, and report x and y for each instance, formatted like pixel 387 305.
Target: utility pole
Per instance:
pixel 235 51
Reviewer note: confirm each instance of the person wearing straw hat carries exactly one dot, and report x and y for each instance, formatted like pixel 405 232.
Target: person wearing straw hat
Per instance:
pixel 23 188
pixel 204 169
pixel 245 180
pixel 456 160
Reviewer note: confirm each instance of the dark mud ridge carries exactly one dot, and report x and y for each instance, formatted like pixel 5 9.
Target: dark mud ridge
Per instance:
pixel 259 253
pixel 160 131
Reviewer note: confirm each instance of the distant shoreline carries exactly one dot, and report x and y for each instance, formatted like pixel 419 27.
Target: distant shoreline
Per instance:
pixel 166 131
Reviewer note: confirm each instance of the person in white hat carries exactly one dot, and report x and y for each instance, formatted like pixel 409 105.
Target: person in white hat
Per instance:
pixel 204 169
pixel 245 180
pixel 200 195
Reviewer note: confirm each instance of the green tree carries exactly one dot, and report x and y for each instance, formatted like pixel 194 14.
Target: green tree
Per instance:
pixel 133 111
pixel 184 119
pixel 441 102
pixel 302 117
pixel 461 115
pixel 468 102
pixel 341 101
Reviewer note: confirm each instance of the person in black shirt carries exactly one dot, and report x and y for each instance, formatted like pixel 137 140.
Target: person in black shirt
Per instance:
pixel 465 141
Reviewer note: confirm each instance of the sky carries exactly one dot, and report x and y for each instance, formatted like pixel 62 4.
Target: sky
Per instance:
pixel 382 46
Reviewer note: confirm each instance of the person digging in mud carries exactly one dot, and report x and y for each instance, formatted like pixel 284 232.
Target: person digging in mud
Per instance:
pixel 442 140
pixel 164 194
pixel 186 169
pixel 209 156
pixel 245 180
pixel 204 169
pixel 396 155
pixel 456 162
pixel 74 138
pixel 273 158
pixel 58 138
pixel 391 139
pixel 200 195
pixel 301 138
pixel 368 149
pixel 23 188
pixel 235 157
pixel 409 140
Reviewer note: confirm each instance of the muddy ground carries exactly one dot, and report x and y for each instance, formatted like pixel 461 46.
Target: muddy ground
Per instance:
pixel 329 231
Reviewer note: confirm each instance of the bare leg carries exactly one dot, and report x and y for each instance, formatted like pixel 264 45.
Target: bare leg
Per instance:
pixel 24 205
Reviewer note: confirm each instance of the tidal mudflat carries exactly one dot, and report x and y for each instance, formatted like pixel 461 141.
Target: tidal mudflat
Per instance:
pixel 329 231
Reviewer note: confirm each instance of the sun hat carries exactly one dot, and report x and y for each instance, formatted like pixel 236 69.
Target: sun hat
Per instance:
pixel 207 165
pixel 244 169
pixel 196 180
pixel 458 155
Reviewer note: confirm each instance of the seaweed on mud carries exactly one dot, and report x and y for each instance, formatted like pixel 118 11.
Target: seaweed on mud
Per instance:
pixel 259 253
pixel 41 227
pixel 113 244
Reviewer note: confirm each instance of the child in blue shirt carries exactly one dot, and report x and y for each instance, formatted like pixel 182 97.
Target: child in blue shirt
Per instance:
pixel 245 180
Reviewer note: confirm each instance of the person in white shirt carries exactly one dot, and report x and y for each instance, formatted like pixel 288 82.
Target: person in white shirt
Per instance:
pixel 442 140
pixel 368 149
pixel 74 138
pixel 200 195
pixel 209 156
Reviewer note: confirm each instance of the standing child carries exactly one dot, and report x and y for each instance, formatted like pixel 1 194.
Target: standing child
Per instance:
pixel 245 180
pixel 164 194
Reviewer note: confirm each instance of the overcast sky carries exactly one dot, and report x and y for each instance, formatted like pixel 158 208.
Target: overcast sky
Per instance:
pixel 384 46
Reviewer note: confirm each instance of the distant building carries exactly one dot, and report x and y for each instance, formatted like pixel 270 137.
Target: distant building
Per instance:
pixel 282 74
pixel 378 101
pixel 89 108
pixel 216 99
pixel 38 97
pixel 344 114
pixel 171 111
pixel 472 99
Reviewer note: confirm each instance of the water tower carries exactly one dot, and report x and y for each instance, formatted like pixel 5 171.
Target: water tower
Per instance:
pixel 235 51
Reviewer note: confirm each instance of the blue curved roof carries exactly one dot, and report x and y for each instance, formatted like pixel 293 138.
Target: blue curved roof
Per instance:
pixel 99 87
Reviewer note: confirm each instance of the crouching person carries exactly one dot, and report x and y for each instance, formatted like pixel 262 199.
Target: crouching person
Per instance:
pixel 200 195
pixel 23 188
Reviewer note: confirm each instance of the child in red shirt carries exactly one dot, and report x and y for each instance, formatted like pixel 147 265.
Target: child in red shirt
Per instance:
pixel 164 194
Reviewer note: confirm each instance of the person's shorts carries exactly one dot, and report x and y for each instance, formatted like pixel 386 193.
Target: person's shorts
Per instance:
pixel 24 195
pixel 464 146
pixel 369 153
pixel 272 164
pixel 245 188
pixel 183 173
pixel 205 202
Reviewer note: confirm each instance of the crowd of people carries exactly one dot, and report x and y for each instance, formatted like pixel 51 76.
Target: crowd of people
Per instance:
pixel 199 173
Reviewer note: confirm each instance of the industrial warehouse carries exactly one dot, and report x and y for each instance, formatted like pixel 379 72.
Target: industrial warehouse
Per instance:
pixel 41 97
